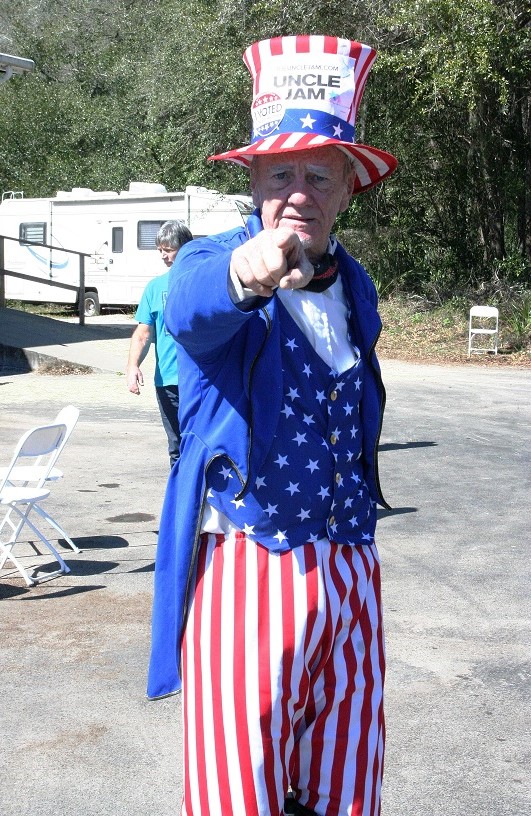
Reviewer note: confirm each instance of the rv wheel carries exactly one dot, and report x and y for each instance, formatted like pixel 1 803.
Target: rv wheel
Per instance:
pixel 92 304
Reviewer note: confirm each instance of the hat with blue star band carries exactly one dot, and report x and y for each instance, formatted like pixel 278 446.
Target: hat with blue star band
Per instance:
pixel 307 91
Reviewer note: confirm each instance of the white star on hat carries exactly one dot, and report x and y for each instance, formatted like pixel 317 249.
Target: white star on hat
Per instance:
pixel 308 121
pixel 338 130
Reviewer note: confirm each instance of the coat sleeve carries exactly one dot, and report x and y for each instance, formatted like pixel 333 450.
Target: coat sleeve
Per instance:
pixel 199 311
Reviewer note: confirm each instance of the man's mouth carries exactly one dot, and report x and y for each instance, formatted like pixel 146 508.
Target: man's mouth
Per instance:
pixel 297 221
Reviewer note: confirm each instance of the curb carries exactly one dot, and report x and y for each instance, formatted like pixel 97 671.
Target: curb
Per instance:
pixel 14 360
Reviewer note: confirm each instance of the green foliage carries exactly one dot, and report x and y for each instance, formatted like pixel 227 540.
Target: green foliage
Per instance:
pixel 147 91
pixel 518 322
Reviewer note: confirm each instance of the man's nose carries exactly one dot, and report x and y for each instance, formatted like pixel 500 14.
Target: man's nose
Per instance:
pixel 300 192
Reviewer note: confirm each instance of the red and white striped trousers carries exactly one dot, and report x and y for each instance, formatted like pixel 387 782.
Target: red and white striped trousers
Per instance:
pixel 283 667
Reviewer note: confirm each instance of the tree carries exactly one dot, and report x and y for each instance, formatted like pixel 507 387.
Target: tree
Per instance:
pixel 147 91
pixel 459 70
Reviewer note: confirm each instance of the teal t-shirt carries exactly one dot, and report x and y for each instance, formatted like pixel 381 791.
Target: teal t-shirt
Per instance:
pixel 151 312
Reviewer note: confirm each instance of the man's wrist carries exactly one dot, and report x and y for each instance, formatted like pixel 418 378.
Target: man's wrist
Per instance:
pixel 242 297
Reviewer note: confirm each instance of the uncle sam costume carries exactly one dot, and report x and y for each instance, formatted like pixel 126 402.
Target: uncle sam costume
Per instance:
pixel 267 585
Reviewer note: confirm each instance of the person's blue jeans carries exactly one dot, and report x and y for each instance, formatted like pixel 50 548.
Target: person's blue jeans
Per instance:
pixel 168 400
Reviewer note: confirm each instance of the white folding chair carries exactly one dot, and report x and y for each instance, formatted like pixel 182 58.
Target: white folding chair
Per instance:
pixel 483 322
pixel 31 474
pixel 38 447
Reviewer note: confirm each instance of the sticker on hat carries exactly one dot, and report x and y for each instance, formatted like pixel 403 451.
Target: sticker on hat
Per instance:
pixel 267 112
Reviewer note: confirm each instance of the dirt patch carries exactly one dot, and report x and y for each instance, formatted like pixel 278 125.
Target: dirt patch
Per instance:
pixel 61 367
pixel 419 335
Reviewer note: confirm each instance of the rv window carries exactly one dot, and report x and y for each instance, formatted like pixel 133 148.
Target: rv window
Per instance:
pixel 32 232
pixel 117 239
pixel 147 234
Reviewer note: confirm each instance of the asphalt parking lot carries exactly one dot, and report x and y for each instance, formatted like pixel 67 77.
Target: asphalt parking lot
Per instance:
pixel 78 735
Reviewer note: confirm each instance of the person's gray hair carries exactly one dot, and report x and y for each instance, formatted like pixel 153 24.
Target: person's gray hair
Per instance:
pixel 173 234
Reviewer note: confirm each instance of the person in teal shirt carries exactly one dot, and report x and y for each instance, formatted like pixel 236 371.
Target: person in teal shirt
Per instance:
pixel 151 329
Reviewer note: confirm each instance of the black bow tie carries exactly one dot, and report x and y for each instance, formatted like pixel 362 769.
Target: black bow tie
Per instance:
pixel 324 275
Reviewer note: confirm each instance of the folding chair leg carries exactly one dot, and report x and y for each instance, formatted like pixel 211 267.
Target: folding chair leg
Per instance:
pixel 8 556
pixel 52 522
pixel 15 530
pixel 64 568
pixel 7 520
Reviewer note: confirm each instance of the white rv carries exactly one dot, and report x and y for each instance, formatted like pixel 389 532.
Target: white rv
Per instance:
pixel 117 230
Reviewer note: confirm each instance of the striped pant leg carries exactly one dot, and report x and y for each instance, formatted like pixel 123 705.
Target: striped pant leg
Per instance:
pixel 338 758
pixel 228 770
pixel 259 637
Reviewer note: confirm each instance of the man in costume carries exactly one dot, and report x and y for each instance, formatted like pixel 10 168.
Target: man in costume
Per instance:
pixel 267 586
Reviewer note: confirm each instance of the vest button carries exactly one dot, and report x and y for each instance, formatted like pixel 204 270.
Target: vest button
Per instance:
pixel 331 520
pixel 338 478
pixel 333 396
pixel 333 439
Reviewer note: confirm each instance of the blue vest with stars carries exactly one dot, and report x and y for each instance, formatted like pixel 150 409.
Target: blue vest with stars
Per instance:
pixel 311 485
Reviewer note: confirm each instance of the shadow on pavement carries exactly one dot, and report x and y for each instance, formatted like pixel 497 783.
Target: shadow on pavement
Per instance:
pixel 145 568
pixel 8 592
pixel 404 445
pixel 396 511
pixel 63 593
pixel 37 330
pixel 99 542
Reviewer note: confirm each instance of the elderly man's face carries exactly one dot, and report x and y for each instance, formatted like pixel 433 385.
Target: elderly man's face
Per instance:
pixel 303 191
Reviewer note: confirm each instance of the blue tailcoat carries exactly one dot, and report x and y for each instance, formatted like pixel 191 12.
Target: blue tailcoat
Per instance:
pixel 230 384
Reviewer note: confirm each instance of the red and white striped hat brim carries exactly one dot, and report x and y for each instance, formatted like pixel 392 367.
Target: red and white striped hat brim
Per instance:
pixel 371 164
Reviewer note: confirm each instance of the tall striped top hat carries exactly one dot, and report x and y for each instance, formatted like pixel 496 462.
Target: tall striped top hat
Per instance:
pixel 306 94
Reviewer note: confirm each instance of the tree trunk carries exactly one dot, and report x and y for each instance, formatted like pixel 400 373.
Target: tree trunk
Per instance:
pixel 524 154
pixel 487 165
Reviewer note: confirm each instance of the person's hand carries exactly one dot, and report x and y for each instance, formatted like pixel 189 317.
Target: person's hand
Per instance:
pixel 273 258
pixel 135 379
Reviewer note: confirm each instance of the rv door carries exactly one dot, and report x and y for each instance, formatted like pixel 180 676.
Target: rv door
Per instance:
pixel 126 260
